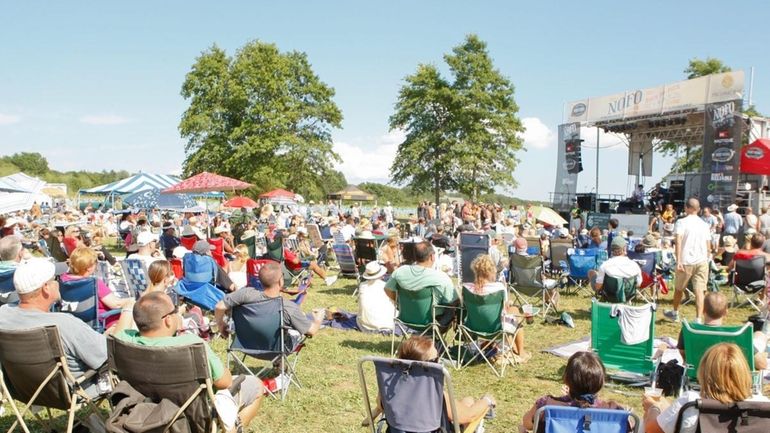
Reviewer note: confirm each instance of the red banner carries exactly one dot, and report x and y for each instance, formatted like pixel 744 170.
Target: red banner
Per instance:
pixel 755 158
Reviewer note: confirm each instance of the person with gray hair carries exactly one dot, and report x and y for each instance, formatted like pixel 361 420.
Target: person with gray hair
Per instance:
pixel 11 252
pixel 618 266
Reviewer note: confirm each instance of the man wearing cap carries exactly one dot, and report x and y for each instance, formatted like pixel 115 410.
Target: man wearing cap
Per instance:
pixel 168 240
pixel 617 266
pixel 733 222
pixel 147 242
pixel 38 291
pixel 693 244
pixel 375 309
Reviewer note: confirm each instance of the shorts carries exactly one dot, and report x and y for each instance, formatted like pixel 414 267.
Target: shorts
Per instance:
pixel 250 390
pixel 698 274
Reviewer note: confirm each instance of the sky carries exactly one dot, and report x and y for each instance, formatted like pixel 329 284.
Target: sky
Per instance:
pixel 96 85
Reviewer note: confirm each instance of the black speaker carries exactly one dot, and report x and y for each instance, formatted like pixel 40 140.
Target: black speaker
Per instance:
pixel 604 207
pixel 587 201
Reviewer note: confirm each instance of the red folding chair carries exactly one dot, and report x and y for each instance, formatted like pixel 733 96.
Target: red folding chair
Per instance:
pixel 176 266
pixel 218 253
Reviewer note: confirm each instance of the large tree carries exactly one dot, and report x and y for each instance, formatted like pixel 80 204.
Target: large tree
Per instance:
pixel 461 134
pixel 262 116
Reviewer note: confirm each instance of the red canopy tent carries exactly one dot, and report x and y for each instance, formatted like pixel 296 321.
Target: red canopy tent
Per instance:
pixel 240 201
pixel 207 182
pixel 278 193
pixel 755 158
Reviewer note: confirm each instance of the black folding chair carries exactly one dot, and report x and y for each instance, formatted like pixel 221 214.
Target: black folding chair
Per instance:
pixel 749 282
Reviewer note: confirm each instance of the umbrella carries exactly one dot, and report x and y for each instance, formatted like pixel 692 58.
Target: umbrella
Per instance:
pixel 154 199
pixel 206 182
pixel 240 201
pixel 547 215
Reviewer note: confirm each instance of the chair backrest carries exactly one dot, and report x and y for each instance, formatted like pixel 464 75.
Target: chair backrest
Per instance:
pixel 274 249
pixel 411 394
pixel 606 341
pixel 415 307
pixel 7 289
pixel 251 245
pixel 135 275
pixel 218 253
pixel 534 243
pixel 471 245
pixel 646 261
pixel 717 417
pixel 188 241
pixel 366 251
pixel 526 272
pixel 253 266
pixel 580 261
pixel 345 259
pixel 199 269
pixel 314 233
pixel 43 247
pixel 258 327
pixel 177 267
pixel 483 313
pixel 619 290
pixel 698 338
pixel 79 297
pixel 326 233
pixel 172 372
pixel 564 419
pixel 748 271
pixel 292 244
pixel 28 357
pixel 558 252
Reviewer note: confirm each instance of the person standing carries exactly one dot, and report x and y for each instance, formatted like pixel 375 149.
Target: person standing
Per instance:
pixel 733 222
pixel 764 222
pixel 693 242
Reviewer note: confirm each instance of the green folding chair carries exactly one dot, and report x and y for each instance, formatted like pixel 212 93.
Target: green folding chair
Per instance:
pixel 619 290
pixel 417 312
pixel 699 338
pixel 631 363
pixel 482 319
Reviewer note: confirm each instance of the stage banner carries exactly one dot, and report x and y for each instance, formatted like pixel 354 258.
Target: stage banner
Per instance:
pixel 721 153
pixel 566 182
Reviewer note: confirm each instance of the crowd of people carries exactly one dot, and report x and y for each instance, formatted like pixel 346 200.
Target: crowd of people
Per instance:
pixel 61 245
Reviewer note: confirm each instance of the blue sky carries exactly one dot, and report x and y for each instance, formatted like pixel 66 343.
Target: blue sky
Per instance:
pixel 95 85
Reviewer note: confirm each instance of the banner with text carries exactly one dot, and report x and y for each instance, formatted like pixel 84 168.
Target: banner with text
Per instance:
pixel 721 154
pixel 566 182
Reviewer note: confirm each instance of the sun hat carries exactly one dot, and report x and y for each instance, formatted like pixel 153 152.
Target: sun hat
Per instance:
pixel 302 230
pixel 248 234
pixel 618 242
pixel 202 247
pixel 167 225
pixel 732 207
pixel 31 274
pixel 366 234
pixel 373 271
pixel 221 229
pixel 520 244
pixel 144 238
pixel 668 227
pixel 729 243
pixel 583 232
pixel 649 241
pixel 179 252
pixel 189 230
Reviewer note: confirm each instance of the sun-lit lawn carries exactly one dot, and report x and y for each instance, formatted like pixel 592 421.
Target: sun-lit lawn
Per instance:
pixel 331 398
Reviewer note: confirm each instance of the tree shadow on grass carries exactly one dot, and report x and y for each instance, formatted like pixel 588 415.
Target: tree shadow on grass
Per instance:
pixel 372 347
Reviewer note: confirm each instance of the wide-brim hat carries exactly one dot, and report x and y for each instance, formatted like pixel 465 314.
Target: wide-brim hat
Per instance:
pixel 649 241
pixel 366 234
pixel 374 271
pixel 189 230
pixel 733 207
pixel 248 234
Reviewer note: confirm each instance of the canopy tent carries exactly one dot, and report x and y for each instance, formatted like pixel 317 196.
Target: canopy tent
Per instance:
pixel 755 158
pixel 16 201
pixel 154 199
pixel 207 182
pixel 351 192
pixel 7 185
pixel 136 183
pixel 279 197
pixel 239 202
pixel 547 216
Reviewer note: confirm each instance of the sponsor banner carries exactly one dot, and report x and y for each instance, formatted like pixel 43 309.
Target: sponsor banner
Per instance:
pixel 566 182
pixel 638 223
pixel 682 95
pixel 721 153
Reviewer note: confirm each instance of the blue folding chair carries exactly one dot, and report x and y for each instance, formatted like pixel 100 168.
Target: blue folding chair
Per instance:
pixel 580 261
pixel 135 276
pixel 197 285
pixel 80 298
pixel 8 293
pixel 260 333
pixel 567 419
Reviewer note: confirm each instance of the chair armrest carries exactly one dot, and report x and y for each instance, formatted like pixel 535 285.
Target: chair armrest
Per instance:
pixel 110 313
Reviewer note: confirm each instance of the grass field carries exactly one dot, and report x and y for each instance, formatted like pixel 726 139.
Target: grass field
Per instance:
pixel 331 399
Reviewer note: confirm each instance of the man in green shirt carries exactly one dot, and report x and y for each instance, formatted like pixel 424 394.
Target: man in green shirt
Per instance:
pixel 158 321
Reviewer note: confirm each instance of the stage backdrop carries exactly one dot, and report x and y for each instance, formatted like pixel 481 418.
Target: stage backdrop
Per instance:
pixel 566 182
pixel 721 153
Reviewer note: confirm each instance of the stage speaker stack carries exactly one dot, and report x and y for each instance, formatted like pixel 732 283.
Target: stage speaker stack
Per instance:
pixel 676 191
pixel 587 201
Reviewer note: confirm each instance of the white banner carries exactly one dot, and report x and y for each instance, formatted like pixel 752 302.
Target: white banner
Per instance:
pixel 682 95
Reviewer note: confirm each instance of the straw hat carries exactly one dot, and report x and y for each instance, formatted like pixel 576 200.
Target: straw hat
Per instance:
pixel 732 208
pixel 373 271
pixel 366 234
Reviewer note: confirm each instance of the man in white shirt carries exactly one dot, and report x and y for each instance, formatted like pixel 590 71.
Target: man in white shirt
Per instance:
pixel 349 229
pixel 617 266
pixel 693 241
pixel 375 309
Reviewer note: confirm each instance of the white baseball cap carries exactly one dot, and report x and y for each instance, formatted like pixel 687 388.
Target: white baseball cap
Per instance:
pixel 31 274
pixel 144 238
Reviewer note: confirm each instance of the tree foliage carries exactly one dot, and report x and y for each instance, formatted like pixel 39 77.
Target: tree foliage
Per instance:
pixel 460 134
pixel 35 164
pixel 700 68
pixel 262 116
pixel 31 163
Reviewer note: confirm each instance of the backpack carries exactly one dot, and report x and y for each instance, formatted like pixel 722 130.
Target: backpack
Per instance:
pixel 134 413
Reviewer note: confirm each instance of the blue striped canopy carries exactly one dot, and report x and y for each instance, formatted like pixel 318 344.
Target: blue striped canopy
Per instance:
pixel 136 183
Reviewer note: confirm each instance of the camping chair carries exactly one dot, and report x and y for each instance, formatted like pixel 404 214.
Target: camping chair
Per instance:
pixel 177 267
pixel 251 245
pixel 253 267
pixel 412 396
pixel 292 244
pixel 346 260
pixel 528 285
pixel 188 241
pixel 197 285
pixel 557 264
pixel 37 373
pixel 749 282
pixel 699 338
pixel 80 298
pixel 618 290
pixel 470 246
pixel 314 233
pixel 365 252
pixel 218 253
pixel 565 419
pixel 42 246
pixel 633 362
pixel 416 312
pixel 579 262
pixel 484 318
pixel 135 276
pixel 275 252
pixel 740 417
pixel 648 263
pixel 177 373
pixel 8 293
pixel 260 333
pixel 534 246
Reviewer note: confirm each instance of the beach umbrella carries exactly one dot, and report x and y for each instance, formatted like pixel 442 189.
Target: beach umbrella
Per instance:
pixel 240 201
pixel 154 199
pixel 547 215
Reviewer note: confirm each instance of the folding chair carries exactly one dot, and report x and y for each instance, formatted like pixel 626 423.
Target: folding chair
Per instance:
pixel 528 285
pixel 135 276
pixel 470 246
pixel 37 373
pixel 188 241
pixel 715 416
pixel 412 396
pixel 260 333
pixel 648 263
pixel 619 290
pixel 43 247
pixel 177 267
pixel 251 245
pixel 580 261
pixel 346 261
pixel 292 244
pixel 564 419
pixel 416 312
pixel 534 247
pixel 483 318
pixel 218 253
pixel 365 252
pixel 8 293
pixel 557 264
pixel 253 267
pixel 197 285
pixel 749 282
pixel 80 298
pixel 699 338
pixel 177 373
pixel 314 233
pixel 633 362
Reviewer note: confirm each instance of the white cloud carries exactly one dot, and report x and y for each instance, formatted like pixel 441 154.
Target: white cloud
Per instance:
pixel 104 119
pixel 537 135
pixel 371 163
pixel 607 140
pixel 8 119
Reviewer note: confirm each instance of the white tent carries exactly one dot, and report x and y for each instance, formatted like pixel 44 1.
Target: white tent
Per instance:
pixel 16 201
pixel 136 183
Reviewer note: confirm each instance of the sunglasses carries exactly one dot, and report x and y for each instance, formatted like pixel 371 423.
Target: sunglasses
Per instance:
pixel 174 311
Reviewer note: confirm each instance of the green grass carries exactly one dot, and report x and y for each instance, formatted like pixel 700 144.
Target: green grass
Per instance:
pixel 331 398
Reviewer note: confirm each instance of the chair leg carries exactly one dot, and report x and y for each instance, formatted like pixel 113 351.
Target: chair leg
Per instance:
pixel 14 408
pixel 71 415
